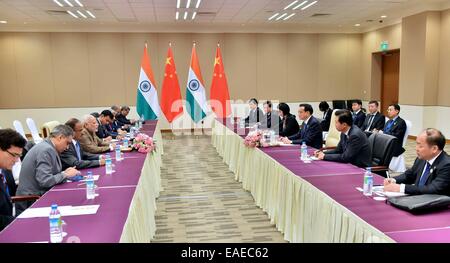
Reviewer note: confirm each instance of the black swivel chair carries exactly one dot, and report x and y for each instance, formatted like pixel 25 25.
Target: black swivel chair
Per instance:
pixel 382 152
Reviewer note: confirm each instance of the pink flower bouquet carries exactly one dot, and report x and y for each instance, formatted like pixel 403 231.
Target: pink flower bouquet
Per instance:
pixel 143 143
pixel 253 139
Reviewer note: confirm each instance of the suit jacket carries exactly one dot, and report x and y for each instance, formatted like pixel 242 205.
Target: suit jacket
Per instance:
pixel 69 158
pixel 111 129
pixel 271 121
pixel 398 129
pixel 326 120
pixel 101 131
pixel 41 170
pixel 311 135
pixel 5 204
pixel 355 149
pixel 377 122
pixel 122 120
pixel 289 126
pixel 92 144
pixel 254 116
pixel 359 119
pixel 438 181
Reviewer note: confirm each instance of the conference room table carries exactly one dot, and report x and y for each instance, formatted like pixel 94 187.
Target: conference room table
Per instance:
pixel 126 199
pixel 319 201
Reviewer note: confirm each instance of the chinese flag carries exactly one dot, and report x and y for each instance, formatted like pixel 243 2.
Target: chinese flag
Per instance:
pixel 171 103
pixel 220 97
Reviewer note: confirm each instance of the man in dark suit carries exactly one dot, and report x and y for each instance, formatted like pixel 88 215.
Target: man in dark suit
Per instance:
pixel 11 145
pixel 374 119
pixel 430 173
pixel 310 131
pixel 289 125
pixel 122 118
pixel 74 155
pixel 105 118
pixel 255 115
pixel 395 126
pixel 357 114
pixel 353 146
pixel 325 108
pixel 272 120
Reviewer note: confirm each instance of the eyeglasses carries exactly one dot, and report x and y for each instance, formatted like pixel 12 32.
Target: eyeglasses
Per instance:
pixel 15 155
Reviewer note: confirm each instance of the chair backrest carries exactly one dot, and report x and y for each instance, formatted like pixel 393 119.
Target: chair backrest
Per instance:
pixel 382 146
pixel 48 127
pixel 339 104
pixel 34 131
pixel 334 136
pixel 19 128
pixel 408 130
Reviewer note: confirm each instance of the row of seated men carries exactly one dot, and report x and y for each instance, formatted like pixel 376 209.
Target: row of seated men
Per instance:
pixel 70 147
pixel 430 173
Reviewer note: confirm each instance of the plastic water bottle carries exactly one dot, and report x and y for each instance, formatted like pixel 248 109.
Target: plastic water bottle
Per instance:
pixel 304 152
pixel 118 153
pixel 56 235
pixel 90 186
pixel 368 182
pixel 108 164
pixel 125 141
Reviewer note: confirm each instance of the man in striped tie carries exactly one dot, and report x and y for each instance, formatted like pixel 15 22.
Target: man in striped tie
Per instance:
pixel 430 173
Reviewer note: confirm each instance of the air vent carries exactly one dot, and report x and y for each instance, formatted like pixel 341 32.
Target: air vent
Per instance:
pixel 56 12
pixel 320 15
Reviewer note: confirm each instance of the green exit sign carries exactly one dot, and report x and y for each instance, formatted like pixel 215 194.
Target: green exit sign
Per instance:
pixel 384 46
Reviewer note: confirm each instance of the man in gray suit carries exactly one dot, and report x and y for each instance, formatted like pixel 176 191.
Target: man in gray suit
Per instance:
pixel 41 167
pixel 74 155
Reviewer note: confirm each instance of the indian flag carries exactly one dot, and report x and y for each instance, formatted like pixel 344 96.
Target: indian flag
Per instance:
pixel 195 90
pixel 147 104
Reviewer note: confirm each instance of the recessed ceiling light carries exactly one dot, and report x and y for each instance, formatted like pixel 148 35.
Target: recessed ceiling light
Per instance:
pixel 272 17
pixel 299 5
pixel 72 14
pixel 81 14
pixel 69 3
pixel 177 15
pixel 3 22
pixel 89 13
pixel 357 24
pixel 193 15
pixel 283 15
pixel 188 3
pixel 78 2
pixel 291 4
pixel 58 3
pixel 198 4
pixel 383 16
pixel 185 15
pixel 178 3
pixel 289 16
pixel 310 4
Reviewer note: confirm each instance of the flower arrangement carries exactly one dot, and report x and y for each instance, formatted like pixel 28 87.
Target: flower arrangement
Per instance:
pixel 143 143
pixel 253 139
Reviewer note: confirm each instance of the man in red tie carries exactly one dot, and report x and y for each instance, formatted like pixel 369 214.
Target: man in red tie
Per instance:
pixel 430 173
pixel 11 145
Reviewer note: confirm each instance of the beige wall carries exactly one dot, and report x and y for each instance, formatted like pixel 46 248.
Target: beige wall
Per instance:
pixel 444 63
pixel 99 69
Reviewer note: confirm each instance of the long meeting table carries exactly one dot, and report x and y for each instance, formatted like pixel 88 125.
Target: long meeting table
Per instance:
pixel 127 200
pixel 318 201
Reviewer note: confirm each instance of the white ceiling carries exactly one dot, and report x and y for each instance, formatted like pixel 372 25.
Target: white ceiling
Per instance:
pixel 213 15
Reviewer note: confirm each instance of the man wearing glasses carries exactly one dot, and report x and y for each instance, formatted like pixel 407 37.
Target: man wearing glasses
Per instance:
pixel 11 145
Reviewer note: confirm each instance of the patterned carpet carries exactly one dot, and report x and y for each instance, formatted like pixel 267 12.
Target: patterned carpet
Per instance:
pixel 203 203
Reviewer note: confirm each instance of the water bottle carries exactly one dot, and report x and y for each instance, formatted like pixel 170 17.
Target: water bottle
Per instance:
pixel 125 141
pixel 368 182
pixel 118 153
pixel 90 186
pixel 108 164
pixel 304 152
pixel 56 234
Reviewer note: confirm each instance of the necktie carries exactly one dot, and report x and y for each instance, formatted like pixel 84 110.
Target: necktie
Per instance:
pixel 424 177
pixel 371 117
pixel 354 116
pixel 305 126
pixel 77 149
pixel 3 179
pixel 388 126
pixel 269 120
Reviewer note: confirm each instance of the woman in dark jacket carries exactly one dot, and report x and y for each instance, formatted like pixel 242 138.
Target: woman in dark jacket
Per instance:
pixel 289 125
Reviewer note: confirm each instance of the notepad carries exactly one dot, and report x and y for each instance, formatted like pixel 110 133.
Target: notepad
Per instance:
pixel 64 210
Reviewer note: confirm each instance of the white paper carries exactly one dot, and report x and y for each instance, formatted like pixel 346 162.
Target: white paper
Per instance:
pixel 94 176
pixel 64 210
pixel 379 191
